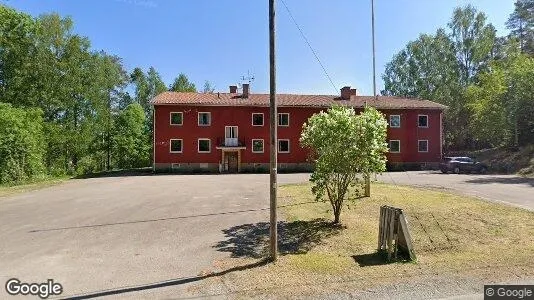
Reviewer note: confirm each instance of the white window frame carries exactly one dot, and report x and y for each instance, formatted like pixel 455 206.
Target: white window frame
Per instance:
pixel 419 149
pixel 390 117
pixel 262 146
pixel 390 151
pixel 262 119
pixel 176 112
pixel 181 143
pixel 288 146
pixel 198 118
pixel 198 145
pixel 278 119
pixel 427 121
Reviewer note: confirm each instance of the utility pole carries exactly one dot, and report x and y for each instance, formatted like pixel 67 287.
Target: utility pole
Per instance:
pixel 273 147
pixel 367 179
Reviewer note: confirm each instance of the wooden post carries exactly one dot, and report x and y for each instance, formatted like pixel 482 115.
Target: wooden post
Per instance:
pixel 273 147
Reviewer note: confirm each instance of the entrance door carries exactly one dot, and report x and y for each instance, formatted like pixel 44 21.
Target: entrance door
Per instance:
pixel 230 136
pixel 232 162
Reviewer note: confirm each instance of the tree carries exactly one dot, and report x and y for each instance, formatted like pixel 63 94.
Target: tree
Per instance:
pixel 208 88
pixel 130 140
pixel 473 41
pixel 503 101
pixel 521 25
pixel 182 84
pixel 21 143
pixel 345 149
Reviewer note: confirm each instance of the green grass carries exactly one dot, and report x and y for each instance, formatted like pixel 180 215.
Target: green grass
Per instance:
pixel 452 234
pixel 30 185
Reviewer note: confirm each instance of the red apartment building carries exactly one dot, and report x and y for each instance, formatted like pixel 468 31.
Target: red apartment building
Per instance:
pixel 229 132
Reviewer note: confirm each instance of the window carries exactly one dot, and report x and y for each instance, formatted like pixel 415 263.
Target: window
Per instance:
pixel 394 146
pixel 176 146
pixel 422 120
pixel 283 146
pixel 394 121
pixel 204 145
pixel 257 146
pixel 257 119
pixel 204 119
pixel 177 118
pixel 422 145
pixel 283 119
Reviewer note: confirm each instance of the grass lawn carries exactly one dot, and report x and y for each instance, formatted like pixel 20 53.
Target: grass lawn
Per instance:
pixel 452 234
pixel 36 184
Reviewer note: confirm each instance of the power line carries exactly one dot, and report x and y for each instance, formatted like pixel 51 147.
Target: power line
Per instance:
pixel 309 45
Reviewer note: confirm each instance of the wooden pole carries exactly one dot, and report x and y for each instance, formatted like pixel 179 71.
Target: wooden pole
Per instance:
pixel 273 146
pixel 367 178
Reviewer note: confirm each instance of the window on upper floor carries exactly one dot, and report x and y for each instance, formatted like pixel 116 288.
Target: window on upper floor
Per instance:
pixel 422 145
pixel 257 145
pixel 422 121
pixel 177 118
pixel 283 119
pixel 394 121
pixel 394 146
pixel 257 119
pixel 176 146
pixel 283 146
pixel 204 119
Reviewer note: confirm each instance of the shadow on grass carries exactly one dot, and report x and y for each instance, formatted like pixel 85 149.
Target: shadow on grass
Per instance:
pixel 297 237
pixel 378 259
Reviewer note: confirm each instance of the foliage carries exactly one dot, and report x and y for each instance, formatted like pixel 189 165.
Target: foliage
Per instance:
pixel 21 143
pixel 130 139
pixel 471 71
pixel 503 101
pixel 521 25
pixel 346 148
pixel 208 88
pixel 182 84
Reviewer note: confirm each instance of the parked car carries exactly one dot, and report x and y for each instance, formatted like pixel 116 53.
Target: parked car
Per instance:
pixel 462 164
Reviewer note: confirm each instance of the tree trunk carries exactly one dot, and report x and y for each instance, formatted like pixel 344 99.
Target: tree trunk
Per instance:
pixel 337 213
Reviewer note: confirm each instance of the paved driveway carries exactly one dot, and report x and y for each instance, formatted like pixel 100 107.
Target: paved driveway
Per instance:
pixel 153 236
pixel 509 189
pixel 106 235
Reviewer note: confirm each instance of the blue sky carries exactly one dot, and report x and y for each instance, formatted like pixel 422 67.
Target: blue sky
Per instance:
pixel 220 41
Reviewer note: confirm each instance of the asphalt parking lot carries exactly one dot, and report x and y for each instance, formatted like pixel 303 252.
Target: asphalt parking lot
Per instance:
pixel 147 236
pixel 509 189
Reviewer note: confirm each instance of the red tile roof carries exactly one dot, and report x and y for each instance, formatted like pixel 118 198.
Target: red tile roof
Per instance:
pixel 228 99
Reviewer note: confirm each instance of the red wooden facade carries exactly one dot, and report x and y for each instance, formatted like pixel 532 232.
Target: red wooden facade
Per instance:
pixel 230 151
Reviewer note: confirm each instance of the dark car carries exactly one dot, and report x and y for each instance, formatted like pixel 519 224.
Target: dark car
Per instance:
pixel 461 164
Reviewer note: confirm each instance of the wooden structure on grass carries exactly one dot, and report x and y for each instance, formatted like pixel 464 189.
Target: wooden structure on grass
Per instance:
pixel 393 234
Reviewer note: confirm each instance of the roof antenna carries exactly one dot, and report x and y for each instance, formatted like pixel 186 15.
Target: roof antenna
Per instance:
pixel 246 79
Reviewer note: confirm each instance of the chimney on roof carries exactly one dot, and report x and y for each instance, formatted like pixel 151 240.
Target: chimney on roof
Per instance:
pixel 345 93
pixel 353 92
pixel 233 89
pixel 246 90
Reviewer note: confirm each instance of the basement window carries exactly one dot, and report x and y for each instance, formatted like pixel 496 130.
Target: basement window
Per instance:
pixel 394 146
pixel 422 121
pixel 283 146
pixel 422 145
pixel 177 118
pixel 257 119
pixel 176 145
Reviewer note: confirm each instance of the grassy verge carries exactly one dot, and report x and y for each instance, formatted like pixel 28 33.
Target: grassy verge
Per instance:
pixel 35 184
pixel 452 234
